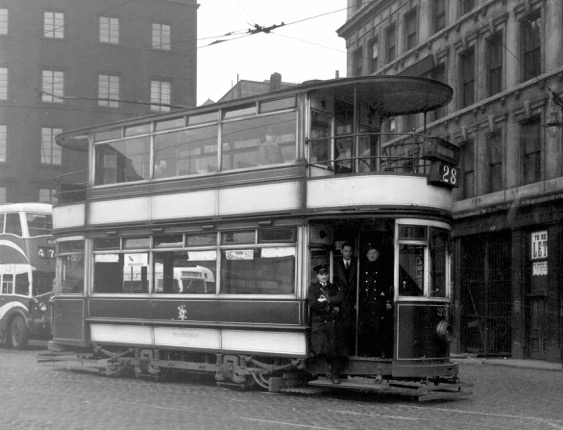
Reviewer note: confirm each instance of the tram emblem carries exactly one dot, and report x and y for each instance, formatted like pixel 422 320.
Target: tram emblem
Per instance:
pixel 182 313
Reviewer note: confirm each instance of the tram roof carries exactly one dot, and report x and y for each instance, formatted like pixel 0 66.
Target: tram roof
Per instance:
pixel 388 95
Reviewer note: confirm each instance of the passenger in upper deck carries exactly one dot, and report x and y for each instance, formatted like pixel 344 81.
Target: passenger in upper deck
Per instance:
pixel 269 151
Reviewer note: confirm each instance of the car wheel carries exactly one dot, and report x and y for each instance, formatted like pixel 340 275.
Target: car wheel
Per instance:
pixel 19 335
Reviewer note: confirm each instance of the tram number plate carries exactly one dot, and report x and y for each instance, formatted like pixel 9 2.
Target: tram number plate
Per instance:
pixel 444 174
pixel 46 252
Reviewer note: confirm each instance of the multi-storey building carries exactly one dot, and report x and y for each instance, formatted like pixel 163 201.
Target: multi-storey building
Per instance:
pixel 65 65
pixel 503 59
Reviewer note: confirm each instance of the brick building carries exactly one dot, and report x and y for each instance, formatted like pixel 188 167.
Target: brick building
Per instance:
pixel 65 65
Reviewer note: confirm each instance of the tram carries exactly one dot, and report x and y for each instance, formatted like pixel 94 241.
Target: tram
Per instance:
pixel 202 197
pixel 27 271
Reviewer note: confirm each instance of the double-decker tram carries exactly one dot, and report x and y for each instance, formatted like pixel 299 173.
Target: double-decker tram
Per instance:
pixel 186 241
pixel 27 271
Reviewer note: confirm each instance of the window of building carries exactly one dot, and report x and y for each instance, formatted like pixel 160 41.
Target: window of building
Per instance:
pixel 390 43
pixel 160 95
pixel 3 142
pixel 438 14
pixel 54 25
pixel 494 63
pixel 48 195
pixel 494 160
pixel 3 83
pixel 50 151
pixel 467 77
pixel 358 62
pixel 438 73
pixel 108 90
pixel 109 30
pixel 52 86
pixel 3 21
pixel 530 150
pixel 468 163
pixel 530 39
pixel 373 55
pixel 465 6
pixel 161 36
pixel 411 29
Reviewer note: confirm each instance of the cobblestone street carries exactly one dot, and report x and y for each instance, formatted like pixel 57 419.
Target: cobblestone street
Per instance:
pixel 38 396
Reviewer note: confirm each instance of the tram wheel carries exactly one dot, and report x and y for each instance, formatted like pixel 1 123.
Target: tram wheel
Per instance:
pixel 19 334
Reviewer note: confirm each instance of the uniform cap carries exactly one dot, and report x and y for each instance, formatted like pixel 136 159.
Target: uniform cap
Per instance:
pixel 321 268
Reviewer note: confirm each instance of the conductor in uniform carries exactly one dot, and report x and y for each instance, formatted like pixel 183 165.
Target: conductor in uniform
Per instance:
pixel 327 329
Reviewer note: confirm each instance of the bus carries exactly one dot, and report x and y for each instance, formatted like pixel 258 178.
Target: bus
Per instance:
pixel 27 272
pixel 240 200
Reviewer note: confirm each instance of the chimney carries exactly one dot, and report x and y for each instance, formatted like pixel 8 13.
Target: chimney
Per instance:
pixel 275 81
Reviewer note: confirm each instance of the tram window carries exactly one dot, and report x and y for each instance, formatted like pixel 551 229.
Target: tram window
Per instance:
pixel 1 223
pixel 186 152
pixel 136 242
pixel 201 239
pixel 170 124
pixel 238 237
pixel 7 283
pixel 71 273
pixel 203 118
pixel 121 273
pixel 258 271
pixel 71 245
pixel 136 130
pixel 242 140
pixel 122 161
pixel 411 270
pixel 22 284
pixel 104 243
pixel 279 104
pixel 13 224
pixel 169 240
pixel 107 135
pixel 277 235
pixel 39 224
pixel 439 243
pixel 183 272
pixel 239 111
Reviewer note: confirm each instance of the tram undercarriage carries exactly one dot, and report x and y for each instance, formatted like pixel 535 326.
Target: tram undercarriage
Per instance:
pixel 273 374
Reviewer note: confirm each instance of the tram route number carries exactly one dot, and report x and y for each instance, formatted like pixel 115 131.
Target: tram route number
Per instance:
pixel 444 174
pixel 46 252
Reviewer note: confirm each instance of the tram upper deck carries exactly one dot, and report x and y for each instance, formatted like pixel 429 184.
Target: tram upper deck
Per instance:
pixel 327 154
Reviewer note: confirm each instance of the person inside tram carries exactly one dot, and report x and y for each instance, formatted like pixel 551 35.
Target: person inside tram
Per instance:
pixel 327 328
pixel 319 149
pixel 375 306
pixel 269 151
pixel 345 277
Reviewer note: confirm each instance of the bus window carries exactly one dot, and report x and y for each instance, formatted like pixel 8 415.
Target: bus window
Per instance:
pixel 22 284
pixel 39 224
pixel 13 224
pixel 42 282
pixel 7 283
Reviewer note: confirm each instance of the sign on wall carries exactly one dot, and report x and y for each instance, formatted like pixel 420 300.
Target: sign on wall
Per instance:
pixel 539 245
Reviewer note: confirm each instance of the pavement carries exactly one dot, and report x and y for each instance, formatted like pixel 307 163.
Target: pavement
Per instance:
pixel 472 359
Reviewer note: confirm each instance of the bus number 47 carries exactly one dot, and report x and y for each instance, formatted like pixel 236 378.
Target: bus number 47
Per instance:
pixel 45 252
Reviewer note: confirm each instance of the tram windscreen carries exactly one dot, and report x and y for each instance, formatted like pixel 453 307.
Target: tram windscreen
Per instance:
pixel 411 270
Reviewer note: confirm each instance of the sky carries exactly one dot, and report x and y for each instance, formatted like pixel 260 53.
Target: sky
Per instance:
pixel 299 51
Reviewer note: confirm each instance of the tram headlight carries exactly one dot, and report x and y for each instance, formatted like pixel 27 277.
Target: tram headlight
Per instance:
pixel 446 331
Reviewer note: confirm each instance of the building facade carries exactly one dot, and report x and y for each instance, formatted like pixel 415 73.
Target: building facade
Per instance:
pixel 66 65
pixel 503 59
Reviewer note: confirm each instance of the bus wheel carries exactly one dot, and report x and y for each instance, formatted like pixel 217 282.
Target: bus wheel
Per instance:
pixel 19 335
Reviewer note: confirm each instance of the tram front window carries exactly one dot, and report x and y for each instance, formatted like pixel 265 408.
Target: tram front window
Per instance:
pixel 411 270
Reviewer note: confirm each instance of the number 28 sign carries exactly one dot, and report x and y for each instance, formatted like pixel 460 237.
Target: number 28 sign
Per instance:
pixel 445 174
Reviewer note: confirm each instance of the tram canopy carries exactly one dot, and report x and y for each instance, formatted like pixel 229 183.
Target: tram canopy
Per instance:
pixel 389 95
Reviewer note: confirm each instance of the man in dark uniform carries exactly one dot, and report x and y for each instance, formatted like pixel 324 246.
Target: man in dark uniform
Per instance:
pixel 376 307
pixel 327 330
pixel 345 277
